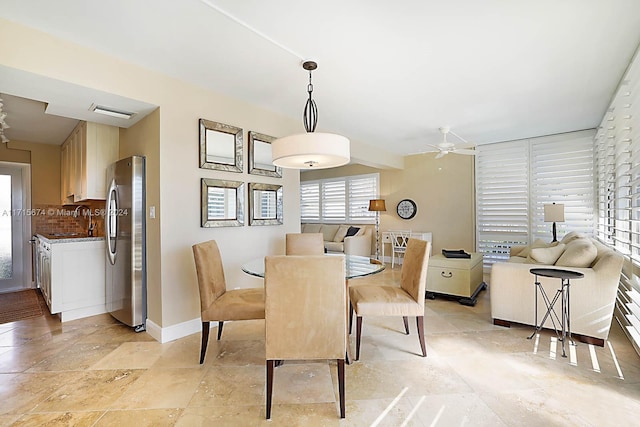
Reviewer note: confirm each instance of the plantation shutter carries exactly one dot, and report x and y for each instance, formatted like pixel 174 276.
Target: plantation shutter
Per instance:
pixel 309 201
pixel 334 202
pixel 361 190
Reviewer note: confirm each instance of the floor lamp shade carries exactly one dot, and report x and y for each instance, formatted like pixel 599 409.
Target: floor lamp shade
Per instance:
pixel 377 205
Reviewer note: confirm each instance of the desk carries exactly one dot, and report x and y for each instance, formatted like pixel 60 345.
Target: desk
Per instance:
pixel 386 238
pixel 565 276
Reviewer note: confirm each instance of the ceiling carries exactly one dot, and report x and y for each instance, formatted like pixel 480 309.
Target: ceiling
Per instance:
pixel 389 73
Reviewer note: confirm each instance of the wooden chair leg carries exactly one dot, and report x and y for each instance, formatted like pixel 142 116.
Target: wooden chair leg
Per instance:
pixel 358 334
pixel 220 324
pixel 205 340
pixel 341 386
pixel 420 323
pixel 270 364
pixel 406 324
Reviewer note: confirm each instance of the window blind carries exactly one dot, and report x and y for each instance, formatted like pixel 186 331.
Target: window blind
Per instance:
pixel 343 199
pixel 515 179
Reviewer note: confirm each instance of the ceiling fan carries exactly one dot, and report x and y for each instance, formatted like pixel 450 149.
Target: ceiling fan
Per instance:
pixel 446 147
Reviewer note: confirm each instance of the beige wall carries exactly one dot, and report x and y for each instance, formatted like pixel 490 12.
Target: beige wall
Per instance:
pixel 181 105
pixel 143 139
pixel 45 168
pixel 443 190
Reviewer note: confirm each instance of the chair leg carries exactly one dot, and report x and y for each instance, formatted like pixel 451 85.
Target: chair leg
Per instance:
pixel 350 318
pixel 270 364
pixel 406 324
pixel 220 324
pixel 341 386
pixel 358 334
pixel 205 340
pixel 420 323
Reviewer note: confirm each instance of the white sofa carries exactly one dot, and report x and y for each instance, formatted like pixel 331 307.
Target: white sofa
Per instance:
pixel 335 240
pixel 592 298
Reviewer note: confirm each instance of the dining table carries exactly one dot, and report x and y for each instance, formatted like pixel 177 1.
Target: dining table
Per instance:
pixel 355 266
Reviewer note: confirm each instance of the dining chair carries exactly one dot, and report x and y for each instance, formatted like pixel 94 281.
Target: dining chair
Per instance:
pixel 304 244
pixel 405 300
pixel 216 302
pixel 305 314
pixel 399 240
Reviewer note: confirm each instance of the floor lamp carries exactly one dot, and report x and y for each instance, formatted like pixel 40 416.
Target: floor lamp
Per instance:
pixel 554 213
pixel 377 206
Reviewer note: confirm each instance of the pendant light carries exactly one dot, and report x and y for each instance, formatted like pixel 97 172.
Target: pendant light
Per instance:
pixel 310 150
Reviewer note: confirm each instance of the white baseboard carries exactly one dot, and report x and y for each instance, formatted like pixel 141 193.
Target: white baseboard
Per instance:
pixel 173 332
pixel 80 313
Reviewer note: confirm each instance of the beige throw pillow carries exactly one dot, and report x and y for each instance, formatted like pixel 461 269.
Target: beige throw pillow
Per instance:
pixel 571 236
pixel 548 255
pixel 342 231
pixel 580 252
pixel 539 243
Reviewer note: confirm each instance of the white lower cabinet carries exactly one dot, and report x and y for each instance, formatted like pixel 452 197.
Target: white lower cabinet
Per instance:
pixel 75 286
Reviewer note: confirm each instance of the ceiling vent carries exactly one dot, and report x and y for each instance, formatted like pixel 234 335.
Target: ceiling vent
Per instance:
pixel 107 111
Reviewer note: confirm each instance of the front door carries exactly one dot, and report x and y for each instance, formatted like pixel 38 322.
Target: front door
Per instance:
pixel 13 241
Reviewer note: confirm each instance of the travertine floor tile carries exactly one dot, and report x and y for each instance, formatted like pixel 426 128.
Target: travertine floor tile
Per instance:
pixel 224 416
pixel 54 419
pixel 231 386
pixel 75 357
pixel 140 418
pixel 132 355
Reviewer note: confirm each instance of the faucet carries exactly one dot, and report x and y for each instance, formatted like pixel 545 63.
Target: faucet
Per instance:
pixel 91 225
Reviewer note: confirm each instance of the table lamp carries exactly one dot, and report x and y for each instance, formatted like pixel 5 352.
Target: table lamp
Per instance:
pixel 554 213
pixel 377 206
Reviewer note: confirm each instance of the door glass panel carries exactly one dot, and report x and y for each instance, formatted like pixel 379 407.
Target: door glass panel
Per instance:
pixel 5 227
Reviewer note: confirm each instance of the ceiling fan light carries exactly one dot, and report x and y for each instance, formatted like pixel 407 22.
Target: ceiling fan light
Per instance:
pixel 311 150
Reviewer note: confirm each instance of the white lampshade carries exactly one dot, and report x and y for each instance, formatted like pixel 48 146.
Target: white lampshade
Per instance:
pixel 311 150
pixel 554 213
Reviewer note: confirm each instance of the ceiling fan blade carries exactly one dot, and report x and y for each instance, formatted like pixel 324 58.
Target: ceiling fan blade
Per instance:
pixel 465 151
pixel 466 145
pixel 435 149
pixel 441 154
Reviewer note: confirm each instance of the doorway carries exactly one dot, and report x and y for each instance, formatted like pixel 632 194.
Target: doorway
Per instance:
pixel 15 227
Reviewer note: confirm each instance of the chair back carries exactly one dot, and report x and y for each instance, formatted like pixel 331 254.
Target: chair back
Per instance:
pixel 304 244
pixel 210 272
pixel 413 276
pixel 400 239
pixel 305 307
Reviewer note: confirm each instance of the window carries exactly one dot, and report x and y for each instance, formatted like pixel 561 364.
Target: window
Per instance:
pixel 617 160
pixel 344 199
pixel 514 180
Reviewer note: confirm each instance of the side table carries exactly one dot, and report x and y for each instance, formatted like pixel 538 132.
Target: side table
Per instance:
pixel 565 276
pixel 459 278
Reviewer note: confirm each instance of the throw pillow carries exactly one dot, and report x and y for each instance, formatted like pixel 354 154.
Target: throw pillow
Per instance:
pixel 341 233
pixel 580 252
pixel 548 255
pixel 572 235
pixel 352 231
pixel 539 243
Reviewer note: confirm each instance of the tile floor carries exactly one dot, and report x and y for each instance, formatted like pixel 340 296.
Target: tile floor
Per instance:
pixel 96 372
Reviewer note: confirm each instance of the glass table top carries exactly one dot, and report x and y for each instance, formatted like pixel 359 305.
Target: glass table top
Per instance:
pixel 356 266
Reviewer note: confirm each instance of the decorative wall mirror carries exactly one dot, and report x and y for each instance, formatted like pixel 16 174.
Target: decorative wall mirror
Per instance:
pixel 220 146
pixel 222 203
pixel 260 162
pixel 265 204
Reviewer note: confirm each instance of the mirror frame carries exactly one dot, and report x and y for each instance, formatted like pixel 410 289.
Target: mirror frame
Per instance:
pixel 206 125
pixel 253 170
pixel 239 186
pixel 278 220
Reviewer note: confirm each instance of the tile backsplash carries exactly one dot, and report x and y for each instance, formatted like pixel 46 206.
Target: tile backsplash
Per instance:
pixel 48 219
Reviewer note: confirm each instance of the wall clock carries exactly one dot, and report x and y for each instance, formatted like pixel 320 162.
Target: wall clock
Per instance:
pixel 407 209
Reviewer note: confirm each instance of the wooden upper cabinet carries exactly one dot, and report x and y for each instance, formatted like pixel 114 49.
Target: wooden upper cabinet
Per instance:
pixel 86 153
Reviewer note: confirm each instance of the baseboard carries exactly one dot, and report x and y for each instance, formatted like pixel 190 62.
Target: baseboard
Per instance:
pixel 173 332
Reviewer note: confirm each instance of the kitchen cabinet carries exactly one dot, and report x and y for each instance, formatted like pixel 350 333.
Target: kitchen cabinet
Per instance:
pixel 71 276
pixel 86 153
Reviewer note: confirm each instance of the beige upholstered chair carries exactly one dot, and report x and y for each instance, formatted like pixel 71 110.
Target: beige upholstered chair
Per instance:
pixel 304 244
pixel 306 315
pixel 399 241
pixel 216 303
pixel 406 300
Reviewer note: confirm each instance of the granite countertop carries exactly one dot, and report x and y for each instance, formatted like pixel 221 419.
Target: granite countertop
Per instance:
pixel 68 238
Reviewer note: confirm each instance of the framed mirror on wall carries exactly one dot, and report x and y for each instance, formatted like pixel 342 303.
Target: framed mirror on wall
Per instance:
pixel 265 204
pixel 260 162
pixel 220 146
pixel 222 203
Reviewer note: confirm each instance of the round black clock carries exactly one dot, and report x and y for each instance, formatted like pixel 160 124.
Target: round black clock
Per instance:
pixel 407 209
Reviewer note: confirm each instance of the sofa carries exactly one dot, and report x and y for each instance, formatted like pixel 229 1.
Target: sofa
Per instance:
pixel 343 238
pixel 592 298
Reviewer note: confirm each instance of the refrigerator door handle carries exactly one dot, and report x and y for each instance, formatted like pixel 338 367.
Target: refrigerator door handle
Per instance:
pixel 111 223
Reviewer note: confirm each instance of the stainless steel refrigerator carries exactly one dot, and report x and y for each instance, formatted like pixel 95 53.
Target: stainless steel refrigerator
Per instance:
pixel 125 234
